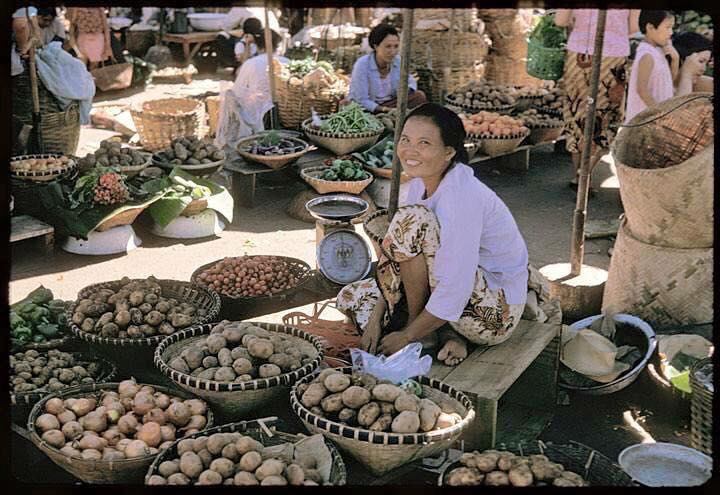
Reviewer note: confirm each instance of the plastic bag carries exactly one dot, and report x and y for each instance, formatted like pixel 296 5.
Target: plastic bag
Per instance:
pixel 397 368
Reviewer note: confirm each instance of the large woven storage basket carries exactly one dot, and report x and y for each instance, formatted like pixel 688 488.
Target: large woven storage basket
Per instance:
pixel 113 77
pixel 158 122
pixel 666 287
pixel 465 19
pixel 432 49
pixel 264 433
pixel 434 82
pixel 295 102
pixel 665 169
pixel 60 130
pixel 236 400
pixel 381 452
pixel 701 409
pixel 125 471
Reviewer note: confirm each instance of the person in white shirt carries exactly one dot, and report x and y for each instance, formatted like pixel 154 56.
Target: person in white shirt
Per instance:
pixel 452 254
pixel 51 27
pixel 232 50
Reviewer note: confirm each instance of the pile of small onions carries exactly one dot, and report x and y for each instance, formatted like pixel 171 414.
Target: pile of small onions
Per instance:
pixel 249 276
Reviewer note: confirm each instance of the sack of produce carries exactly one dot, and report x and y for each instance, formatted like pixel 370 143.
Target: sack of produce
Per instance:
pixel 239 367
pixel 381 424
pixel 111 432
pixel 248 454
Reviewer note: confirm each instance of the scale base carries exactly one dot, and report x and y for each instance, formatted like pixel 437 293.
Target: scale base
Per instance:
pixel 120 239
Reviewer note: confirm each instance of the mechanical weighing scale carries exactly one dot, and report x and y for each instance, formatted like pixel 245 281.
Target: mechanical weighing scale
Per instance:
pixel 343 256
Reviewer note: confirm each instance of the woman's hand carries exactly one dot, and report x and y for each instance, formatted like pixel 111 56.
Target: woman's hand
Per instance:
pixel 371 337
pixel 394 341
pixel 669 49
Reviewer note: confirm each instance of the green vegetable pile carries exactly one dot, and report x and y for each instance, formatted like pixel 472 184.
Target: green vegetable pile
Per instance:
pixel 302 67
pixel 693 21
pixel 37 318
pixel 547 34
pixel 380 155
pixel 352 119
pixel 344 170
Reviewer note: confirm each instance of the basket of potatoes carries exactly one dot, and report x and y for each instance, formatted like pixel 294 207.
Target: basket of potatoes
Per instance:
pixel 495 134
pixel 380 424
pixel 239 367
pixel 111 432
pixel 138 313
pixel 196 156
pixel 544 127
pixel 41 168
pixel 127 161
pixel 248 454
pixel 534 465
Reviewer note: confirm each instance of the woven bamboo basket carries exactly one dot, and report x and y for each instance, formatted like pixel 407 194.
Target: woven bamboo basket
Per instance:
pixel 264 433
pixel 544 62
pixel 668 199
pixel 434 82
pixel 465 19
pixel 701 410
pixel 58 343
pixel 133 170
pixel 113 77
pixel 138 362
pixel 381 452
pixel 311 175
pixel 98 472
pixel 595 468
pixel 44 175
pixel 196 206
pixel 21 403
pixel 158 122
pixel 295 102
pixel 341 144
pixel 495 146
pixel 545 133
pixel 60 130
pixel 125 217
pixel 213 111
pixel 199 169
pixel 275 162
pixel 667 287
pixel 22 102
pixel 432 49
pixel 235 400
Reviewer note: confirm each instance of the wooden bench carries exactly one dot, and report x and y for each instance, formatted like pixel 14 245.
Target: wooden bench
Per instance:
pixel 26 227
pixel 513 385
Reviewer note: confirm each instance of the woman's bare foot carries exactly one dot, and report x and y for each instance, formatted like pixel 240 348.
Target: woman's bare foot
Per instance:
pixel 454 346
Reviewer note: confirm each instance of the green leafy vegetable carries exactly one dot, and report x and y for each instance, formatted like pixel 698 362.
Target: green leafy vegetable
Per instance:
pixel 352 119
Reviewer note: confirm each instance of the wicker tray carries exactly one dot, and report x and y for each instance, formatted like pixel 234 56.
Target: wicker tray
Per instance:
pixel 311 176
pixel 502 109
pixel 273 161
pixel 340 144
pixel 125 217
pixel 257 429
pixel 122 471
pixel 44 175
pixel 199 170
pixel 594 467
pixel 701 412
pixel 196 206
pixel 236 399
pixel 499 146
pixel 381 452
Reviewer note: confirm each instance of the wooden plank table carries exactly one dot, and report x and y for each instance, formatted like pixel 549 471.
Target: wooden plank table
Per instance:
pixel 522 370
pixel 517 160
pixel 192 42
pixel 26 227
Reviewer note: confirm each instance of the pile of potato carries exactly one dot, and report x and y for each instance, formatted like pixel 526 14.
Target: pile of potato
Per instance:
pixel 32 370
pixel 112 154
pixel 136 421
pixel 493 125
pixel 40 164
pixel 231 459
pixel 361 400
pixel 249 276
pixel 554 99
pixel 500 468
pixel 190 151
pixel 532 91
pixel 534 118
pixel 136 310
pixel 483 95
pixel 238 352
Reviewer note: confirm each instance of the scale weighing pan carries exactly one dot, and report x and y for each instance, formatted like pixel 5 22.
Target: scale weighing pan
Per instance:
pixel 337 207
pixel 665 464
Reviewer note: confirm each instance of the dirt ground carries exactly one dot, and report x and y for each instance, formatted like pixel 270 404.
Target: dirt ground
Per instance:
pixel 540 201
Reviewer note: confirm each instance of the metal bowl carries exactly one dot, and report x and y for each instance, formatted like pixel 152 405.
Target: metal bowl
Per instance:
pixel 337 207
pixel 207 21
pixel 666 464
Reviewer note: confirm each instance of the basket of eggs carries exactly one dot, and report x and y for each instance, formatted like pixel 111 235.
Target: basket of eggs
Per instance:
pixel 495 134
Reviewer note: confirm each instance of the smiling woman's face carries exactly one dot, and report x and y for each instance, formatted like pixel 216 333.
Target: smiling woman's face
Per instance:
pixel 421 149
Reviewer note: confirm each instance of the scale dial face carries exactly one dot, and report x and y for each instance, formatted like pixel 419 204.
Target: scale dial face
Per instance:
pixel 344 257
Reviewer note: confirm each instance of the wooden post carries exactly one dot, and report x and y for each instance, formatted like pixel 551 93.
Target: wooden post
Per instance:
pixel 271 68
pixel 402 96
pixel 448 65
pixel 577 249
pixel 34 86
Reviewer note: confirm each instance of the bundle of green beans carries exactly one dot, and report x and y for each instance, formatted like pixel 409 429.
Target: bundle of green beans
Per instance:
pixel 352 119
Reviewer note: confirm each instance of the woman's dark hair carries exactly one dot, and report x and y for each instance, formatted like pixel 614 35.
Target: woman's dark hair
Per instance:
pixel 688 43
pixel 451 127
pixel 47 11
pixel 379 33
pixel 654 17
pixel 252 25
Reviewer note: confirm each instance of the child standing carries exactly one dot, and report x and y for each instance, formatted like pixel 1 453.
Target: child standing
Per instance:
pixel 651 77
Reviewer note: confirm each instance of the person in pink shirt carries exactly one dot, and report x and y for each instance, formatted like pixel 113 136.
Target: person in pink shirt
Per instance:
pixel 620 24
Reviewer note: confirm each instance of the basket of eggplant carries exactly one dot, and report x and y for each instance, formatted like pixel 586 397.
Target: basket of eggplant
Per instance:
pixel 272 149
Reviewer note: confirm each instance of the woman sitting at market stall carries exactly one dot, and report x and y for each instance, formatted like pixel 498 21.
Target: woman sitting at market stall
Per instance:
pixel 452 253
pixel 695 52
pixel 376 76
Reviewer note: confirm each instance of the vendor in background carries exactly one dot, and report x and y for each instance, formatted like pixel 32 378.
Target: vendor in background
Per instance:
pixel 232 50
pixel 51 27
pixel 24 34
pixel 610 105
pixel 90 34
pixel 452 254
pixel 695 52
pixel 376 76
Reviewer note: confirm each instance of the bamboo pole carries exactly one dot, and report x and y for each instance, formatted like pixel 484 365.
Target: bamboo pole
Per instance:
pixel 271 68
pixel 448 65
pixel 577 249
pixel 37 117
pixel 402 96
